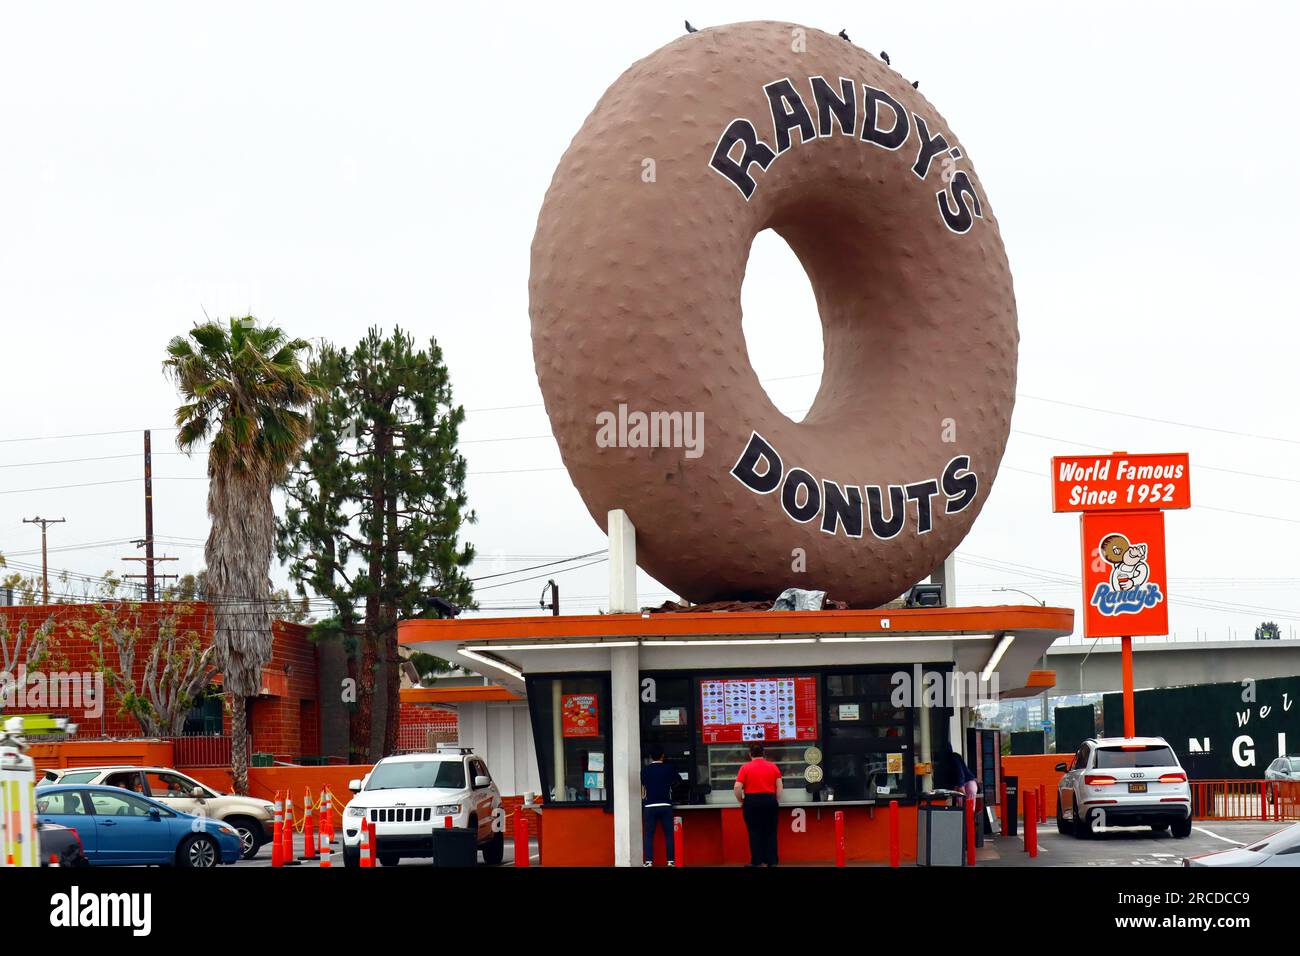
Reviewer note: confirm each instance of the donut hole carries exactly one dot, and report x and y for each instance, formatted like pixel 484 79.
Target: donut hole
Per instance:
pixel 781 325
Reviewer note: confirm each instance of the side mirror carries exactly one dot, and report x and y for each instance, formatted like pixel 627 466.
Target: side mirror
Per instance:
pixel 197 793
pixel 154 814
pixel 481 781
pixel 1062 768
pixel 354 786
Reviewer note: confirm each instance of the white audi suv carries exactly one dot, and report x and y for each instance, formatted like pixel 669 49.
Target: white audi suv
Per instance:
pixel 1124 781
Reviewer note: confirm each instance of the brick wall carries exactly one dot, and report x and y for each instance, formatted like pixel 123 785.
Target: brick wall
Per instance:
pixel 423 726
pixel 284 722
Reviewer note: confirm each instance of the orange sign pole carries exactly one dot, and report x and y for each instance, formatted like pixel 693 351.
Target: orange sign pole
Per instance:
pixel 1126 652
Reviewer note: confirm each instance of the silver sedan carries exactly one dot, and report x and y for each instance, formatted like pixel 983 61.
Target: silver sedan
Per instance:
pixel 1279 849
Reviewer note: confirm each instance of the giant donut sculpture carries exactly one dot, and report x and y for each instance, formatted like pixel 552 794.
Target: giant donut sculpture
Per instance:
pixel 637 265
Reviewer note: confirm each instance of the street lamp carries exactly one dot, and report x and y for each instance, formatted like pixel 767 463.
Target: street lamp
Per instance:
pixel 1043 704
pixel 1026 594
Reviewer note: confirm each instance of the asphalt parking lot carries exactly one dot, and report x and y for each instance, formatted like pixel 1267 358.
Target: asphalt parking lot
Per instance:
pixel 1123 846
pixel 1118 846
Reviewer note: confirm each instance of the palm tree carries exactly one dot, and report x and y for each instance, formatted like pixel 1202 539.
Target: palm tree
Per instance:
pixel 245 387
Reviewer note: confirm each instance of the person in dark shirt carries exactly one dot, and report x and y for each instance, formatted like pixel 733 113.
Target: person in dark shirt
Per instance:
pixel 657 780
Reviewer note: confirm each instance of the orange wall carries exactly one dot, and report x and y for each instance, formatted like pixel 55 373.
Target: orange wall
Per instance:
pixel 578 836
pixel 101 753
pixel 1035 769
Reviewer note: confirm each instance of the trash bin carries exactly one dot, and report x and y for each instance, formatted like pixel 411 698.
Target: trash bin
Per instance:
pixel 941 830
pixel 1009 825
pixel 454 847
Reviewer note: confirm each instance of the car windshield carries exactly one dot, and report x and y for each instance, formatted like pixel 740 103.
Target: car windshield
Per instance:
pixel 82 777
pixel 447 774
pixel 1120 758
pixel 1295 764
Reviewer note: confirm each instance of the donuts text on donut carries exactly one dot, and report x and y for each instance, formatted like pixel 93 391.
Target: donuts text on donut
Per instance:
pixel 804 498
pixel 959 205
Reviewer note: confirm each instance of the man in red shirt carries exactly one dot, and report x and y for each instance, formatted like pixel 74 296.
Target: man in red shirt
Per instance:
pixel 758 789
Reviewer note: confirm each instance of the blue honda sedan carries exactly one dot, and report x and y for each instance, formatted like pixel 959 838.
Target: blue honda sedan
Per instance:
pixel 118 827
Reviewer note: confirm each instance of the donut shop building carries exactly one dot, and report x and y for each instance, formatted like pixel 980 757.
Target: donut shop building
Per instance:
pixel 857 708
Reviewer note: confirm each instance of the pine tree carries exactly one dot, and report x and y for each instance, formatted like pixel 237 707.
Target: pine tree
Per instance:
pixel 375 508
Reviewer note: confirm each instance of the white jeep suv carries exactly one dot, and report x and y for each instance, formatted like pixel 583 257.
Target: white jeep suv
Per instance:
pixel 407 797
pixel 1124 781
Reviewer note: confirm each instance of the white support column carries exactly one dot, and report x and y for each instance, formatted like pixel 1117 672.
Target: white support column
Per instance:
pixel 625 694
pixel 946 574
pixel 625 742
pixel 622 563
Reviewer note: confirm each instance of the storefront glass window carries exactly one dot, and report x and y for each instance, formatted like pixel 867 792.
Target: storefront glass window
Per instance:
pixel 668 721
pixel 571 728
pixel 868 740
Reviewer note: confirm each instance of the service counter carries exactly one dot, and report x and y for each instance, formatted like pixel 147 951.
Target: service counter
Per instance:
pixel 715 835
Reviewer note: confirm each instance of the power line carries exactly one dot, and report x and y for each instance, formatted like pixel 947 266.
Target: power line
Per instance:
pixel 1199 465
pixel 1160 421
pixel 577 557
pixel 1228 511
pixel 125 431
pixel 77 461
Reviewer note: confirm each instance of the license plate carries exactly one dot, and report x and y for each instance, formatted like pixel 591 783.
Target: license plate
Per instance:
pixel 1137 788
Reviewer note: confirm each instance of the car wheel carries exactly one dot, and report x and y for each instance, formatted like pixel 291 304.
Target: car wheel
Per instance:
pixel 494 851
pixel 351 855
pixel 1061 826
pixel 198 852
pixel 1159 827
pixel 250 836
pixel 1182 829
pixel 389 859
pixel 1082 824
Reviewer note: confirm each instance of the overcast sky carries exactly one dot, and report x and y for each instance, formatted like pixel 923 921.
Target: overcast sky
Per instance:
pixel 299 162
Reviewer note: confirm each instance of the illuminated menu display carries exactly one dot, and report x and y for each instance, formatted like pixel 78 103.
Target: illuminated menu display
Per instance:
pixel 758 709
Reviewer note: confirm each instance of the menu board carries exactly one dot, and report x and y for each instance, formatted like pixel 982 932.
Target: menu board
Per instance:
pixel 579 715
pixel 758 708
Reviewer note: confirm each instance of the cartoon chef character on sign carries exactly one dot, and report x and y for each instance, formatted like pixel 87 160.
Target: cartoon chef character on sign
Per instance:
pixel 1129 562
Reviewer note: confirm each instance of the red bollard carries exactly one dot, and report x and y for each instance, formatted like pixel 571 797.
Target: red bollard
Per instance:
pixel 839 837
pixel 894 852
pixel 679 840
pixel 1031 823
pixel 968 805
pixel 521 839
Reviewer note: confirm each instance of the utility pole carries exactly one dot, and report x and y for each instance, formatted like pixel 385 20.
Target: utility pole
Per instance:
pixel 45 567
pixel 150 577
pixel 148 518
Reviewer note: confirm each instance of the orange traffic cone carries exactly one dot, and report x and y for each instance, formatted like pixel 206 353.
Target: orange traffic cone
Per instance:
pixel 308 827
pixel 277 833
pixel 327 818
pixel 367 850
pixel 286 851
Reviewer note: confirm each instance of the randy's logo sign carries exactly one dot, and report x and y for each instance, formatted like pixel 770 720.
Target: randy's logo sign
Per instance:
pixel 872 115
